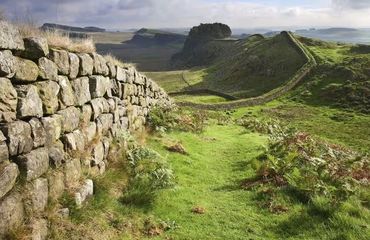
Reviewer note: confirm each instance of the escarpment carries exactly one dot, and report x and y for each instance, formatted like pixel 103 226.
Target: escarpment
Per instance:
pixel 59 112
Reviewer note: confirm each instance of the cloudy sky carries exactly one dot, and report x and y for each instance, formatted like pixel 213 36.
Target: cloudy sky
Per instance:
pixel 124 14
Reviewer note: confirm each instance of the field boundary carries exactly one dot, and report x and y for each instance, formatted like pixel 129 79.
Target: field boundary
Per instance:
pixel 272 95
pixel 203 91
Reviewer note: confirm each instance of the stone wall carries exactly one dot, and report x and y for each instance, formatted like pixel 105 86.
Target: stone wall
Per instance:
pixel 273 94
pixel 59 112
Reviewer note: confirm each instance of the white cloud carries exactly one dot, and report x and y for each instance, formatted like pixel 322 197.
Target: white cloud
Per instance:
pixel 351 4
pixel 185 13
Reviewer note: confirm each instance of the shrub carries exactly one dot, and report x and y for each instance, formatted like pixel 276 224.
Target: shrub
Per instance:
pixel 118 62
pixel 311 167
pixel 268 126
pixel 192 122
pixel 148 173
pixel 165 119
pixel 162 119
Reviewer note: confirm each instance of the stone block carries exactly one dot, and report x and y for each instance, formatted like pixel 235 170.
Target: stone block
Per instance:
pixel 74 65
pixel 48 92
pixel 29 101
pixel 35 48
pixel 34 164
pixel 90 132
pixel 74 141
pixel 53 128
pixel 37 196
pixel 38 133
pixel 121 74
pixel 11 213
pixel 8 176
pixel 7 64
pixel 97 154
pixel 87 64
pixel 104 122
pixel 8 101
pixel 27 71
pixel 112 69
pixel 70 118
pixel 66 95
pixel 100 65
pixel 61 59
pixel 99 106
pixel 4 152
pixel 56 154
pixel 99 86
pixel 85 191
pixel 81 90
pixel 19 138
pixel 48 70
pixel 86 113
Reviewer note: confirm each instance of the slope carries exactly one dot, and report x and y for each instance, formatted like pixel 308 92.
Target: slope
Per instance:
pixel 342 78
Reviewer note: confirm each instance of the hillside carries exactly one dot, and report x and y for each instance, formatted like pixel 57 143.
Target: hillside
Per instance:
pixel 53 26
pixel 342 78
pixel 150 37
pixel 249 67
pixel 201 46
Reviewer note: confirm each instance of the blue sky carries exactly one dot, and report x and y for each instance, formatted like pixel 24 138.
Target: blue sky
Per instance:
pixel 123 14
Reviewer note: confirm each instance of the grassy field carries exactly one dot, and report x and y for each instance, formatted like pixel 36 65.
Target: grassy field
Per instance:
pixel 336 125
pixel 200 98
pixel 209 178
pixel 218 160
pixel 111 37
pixel 175 81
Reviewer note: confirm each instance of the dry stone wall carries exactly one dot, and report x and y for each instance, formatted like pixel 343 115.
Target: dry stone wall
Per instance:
pixel 59 112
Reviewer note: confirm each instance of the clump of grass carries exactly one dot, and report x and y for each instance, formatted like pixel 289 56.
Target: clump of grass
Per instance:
pixel 110 58
pixel 312 168
pixel 148 172
pixel 57 39
pixel 165 119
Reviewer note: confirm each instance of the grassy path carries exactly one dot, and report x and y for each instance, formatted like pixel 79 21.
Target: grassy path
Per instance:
pixel 209 178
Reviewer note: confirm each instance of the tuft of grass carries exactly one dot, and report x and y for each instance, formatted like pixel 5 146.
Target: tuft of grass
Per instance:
pixel 57 39
pixel 110 58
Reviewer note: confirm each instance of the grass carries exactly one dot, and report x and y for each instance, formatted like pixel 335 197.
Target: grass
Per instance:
pixel 318 120
pixel 58 39
pixel 200 98
pixel 171 81
pixel 209 178
pixel 174 81
pixel 147 59
pixel 250 67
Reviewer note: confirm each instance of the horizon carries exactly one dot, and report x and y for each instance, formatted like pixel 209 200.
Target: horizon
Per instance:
pixel 245 14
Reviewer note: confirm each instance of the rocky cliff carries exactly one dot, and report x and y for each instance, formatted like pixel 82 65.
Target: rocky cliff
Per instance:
pixel 59 112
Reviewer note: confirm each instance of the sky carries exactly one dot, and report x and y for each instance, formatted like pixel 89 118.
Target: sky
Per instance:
pixel 125 14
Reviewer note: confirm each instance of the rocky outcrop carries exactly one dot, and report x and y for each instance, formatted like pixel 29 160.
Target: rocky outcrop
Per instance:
pixel 59 112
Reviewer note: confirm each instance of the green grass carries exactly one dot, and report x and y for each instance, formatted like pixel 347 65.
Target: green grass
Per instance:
pixel 209 177
pixel 171 81
pixel 252 67
pixel 201 98
pixel 353 131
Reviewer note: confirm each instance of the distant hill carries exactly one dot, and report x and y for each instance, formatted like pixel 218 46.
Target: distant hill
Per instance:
pixel 53 26
pixel 346 35
pixel 247 67
pixel 201 48
pixel 148 37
